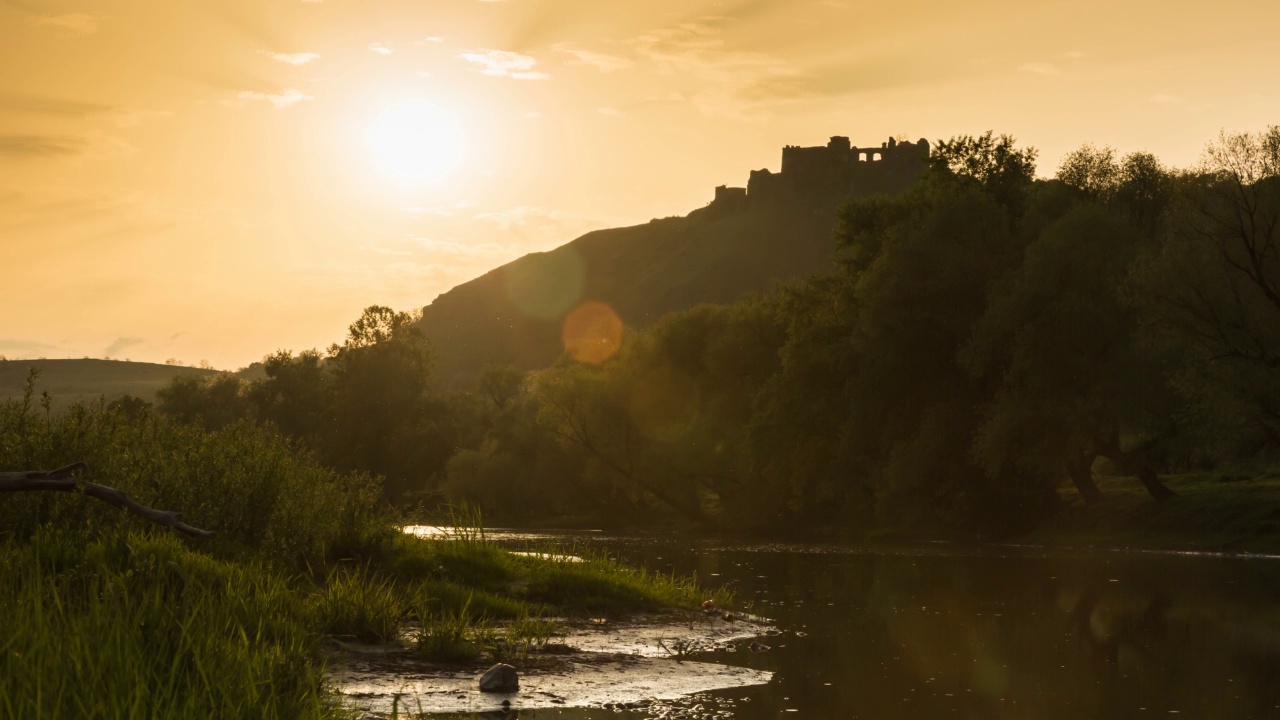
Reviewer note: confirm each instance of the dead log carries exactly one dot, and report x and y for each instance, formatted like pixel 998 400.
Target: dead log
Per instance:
pixel 63 480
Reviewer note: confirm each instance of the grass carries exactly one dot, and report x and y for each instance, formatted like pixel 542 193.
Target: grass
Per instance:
pixel 1213 512
pixel 107 616
pixel 141 627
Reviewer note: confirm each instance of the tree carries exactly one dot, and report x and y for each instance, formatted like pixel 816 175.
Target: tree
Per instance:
pixel 1006 171
pixel 1062 349
pixel 380 415
pixel 1213 288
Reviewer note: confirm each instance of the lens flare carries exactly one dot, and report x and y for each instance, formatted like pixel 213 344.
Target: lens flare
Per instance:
pixel 592 333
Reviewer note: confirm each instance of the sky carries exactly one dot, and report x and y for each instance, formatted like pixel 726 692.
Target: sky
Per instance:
pixel 214 180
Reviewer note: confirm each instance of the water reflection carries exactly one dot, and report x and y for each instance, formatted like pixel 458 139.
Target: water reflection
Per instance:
pixel 989 635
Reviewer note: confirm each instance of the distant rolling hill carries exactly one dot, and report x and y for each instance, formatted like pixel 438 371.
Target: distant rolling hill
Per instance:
pixel 778 228
pixel 72 381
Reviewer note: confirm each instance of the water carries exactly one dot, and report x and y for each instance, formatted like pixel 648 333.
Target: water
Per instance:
pixel 942 632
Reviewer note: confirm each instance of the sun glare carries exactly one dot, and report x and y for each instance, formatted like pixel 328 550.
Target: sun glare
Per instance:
pixel 415 141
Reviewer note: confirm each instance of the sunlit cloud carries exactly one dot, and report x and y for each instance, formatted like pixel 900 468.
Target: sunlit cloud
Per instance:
pixel 78 24
pixel 738 83
pixel 291 96
pixel 504 63
pixel 293 58
pixel 609 112
pixel 380 48
pixel 435 39
pixel 1040 68
pixel 600 61
pixel 1074 55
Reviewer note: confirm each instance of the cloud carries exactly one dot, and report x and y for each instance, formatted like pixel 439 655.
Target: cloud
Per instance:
pixel 1074 55
pixel 14 349
pixel 290 96
pixel 1175 101
pixel 1040 68
pixel 609 112
pixel 121 344
pixel 42 105
pixel 380 48
pixel 504 63
pixel 737 83
pixel 77 24
pixel 40 146
pixel 293 58
pixel 600 61
pixel 458 249
pixel 435 39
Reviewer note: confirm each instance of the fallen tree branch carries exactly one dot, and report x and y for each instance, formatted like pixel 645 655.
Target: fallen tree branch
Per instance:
pixel 63 480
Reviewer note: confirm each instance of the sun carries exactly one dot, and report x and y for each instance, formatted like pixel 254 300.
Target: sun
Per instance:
pixel 414 141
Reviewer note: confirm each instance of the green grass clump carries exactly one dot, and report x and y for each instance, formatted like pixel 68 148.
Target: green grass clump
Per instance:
pixel 600 583
pixel 141 627
pixel 361 604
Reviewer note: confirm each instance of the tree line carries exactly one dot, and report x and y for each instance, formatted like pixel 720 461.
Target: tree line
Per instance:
pixel 986 340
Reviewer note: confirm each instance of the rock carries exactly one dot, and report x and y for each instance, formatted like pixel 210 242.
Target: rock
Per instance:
pixel 500 678
pixel 757 647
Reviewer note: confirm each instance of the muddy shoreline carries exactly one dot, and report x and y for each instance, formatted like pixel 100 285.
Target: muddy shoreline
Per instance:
pixel 630 663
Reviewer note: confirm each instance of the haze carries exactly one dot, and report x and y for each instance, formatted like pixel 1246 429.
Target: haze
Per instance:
pixel 216 180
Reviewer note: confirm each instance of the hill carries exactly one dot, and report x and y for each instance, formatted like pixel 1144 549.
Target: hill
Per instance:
pixel 72 381
pixel 777 228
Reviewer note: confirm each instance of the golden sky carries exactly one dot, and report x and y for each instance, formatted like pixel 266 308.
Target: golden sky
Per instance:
pixel 217 179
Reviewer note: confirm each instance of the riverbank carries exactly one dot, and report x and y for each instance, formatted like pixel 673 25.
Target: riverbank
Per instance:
pixel 107 615
pixel 1213 512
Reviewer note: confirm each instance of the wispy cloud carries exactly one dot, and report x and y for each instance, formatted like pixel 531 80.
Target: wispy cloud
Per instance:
pixel 380 48
pixel 504 63
pixel 39 104
pixel 1175 101
pixel 40 146
pixel 737 82
pixel 121 344
pixel 30 349
pixel 78 24
pixel 1040 68
pixel 293 58
pixel 287 98
pixel 609 111
pixel 600 61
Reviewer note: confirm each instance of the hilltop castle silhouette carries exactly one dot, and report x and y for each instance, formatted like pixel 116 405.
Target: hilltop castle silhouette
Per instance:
pixel 889 169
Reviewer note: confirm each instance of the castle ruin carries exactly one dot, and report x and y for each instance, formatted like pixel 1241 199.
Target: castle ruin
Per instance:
pixel 837 166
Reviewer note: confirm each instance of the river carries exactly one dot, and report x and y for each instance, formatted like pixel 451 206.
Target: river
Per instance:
pixel 940 631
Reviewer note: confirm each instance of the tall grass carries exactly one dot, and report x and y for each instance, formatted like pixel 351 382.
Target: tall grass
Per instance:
pixel 139 627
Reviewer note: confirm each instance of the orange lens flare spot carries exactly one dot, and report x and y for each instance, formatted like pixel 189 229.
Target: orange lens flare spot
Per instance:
pixel 592 333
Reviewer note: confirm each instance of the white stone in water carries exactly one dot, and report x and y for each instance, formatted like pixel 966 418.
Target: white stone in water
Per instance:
pixel 500 678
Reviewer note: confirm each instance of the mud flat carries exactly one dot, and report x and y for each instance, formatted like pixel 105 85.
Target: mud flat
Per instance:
pixel 620 664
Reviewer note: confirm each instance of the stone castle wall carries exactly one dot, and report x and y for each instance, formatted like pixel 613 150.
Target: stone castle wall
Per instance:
pixel 891 168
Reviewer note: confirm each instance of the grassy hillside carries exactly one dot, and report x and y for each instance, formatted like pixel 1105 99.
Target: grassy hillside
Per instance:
pixel 71 381
pixel 514 313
